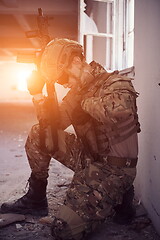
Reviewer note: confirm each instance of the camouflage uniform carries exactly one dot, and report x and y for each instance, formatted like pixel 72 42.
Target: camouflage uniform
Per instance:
pixel 107 126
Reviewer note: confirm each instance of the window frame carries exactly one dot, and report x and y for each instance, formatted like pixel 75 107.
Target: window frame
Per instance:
pixel 122 36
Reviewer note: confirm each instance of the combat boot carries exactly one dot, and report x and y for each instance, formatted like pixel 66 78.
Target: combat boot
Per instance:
pixel 34 202
pixel 125 212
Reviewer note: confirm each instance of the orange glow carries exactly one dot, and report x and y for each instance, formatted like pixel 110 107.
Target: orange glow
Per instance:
pixel 23 72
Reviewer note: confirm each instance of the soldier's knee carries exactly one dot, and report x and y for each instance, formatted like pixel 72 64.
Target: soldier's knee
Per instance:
pixel 33 137
pixel 68 225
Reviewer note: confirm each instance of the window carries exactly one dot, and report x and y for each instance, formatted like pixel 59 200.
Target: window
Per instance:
pixel 106 30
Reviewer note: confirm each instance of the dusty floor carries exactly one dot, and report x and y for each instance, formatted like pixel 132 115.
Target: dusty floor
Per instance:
pixel 15 122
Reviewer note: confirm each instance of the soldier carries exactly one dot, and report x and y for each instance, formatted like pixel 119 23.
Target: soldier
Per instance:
pixel 101 106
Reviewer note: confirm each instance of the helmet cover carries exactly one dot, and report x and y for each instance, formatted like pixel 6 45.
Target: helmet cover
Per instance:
pixel 57 57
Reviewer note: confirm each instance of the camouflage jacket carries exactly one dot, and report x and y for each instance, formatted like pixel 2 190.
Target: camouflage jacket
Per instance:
pixel 109 103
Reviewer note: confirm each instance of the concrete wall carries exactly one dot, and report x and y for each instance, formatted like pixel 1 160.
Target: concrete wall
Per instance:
pixel 147 67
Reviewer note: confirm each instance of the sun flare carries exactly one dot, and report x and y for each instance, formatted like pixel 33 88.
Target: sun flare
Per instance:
pixel 23 73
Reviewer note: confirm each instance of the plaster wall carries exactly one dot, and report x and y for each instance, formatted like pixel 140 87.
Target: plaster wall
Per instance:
pixel 147 69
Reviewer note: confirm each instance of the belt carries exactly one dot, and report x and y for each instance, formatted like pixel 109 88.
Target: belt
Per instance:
pixel 122 162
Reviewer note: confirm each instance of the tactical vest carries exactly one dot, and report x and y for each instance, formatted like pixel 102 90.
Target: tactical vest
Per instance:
pixel 97 136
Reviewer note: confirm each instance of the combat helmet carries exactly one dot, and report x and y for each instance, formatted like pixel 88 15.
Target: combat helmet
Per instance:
pixel 56 58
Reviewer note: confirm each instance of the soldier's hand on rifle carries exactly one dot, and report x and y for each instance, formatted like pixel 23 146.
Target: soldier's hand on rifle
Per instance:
pixel 35 83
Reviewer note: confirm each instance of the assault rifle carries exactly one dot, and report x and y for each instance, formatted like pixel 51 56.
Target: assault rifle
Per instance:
pixel 51 102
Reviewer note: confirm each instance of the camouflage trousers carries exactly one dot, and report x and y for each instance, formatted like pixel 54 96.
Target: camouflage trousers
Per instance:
pixel 95 190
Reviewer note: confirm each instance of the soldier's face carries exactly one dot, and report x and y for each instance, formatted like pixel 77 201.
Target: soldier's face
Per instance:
pixel 74 72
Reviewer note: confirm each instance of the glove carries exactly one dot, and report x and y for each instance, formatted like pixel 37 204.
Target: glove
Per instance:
pixel 80 117
pixel 35 83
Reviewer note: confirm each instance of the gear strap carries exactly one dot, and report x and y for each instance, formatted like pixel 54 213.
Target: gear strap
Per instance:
pixel 122 162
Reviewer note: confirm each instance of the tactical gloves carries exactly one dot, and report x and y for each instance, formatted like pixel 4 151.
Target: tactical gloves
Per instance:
pixel 80 117
pixel 35 83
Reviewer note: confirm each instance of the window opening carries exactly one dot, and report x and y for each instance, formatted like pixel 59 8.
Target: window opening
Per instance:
pixel 106 30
